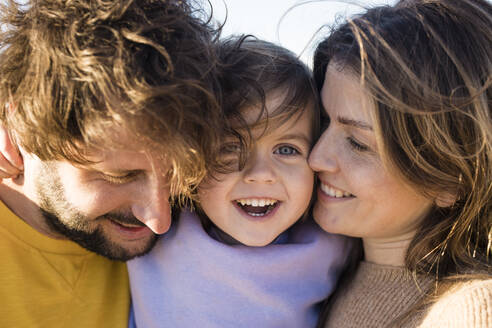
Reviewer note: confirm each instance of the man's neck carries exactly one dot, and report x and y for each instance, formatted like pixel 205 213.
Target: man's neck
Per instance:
pixel 15 197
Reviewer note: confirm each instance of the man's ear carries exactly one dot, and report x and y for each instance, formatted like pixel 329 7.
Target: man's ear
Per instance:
pixel 446 199
pixel 11 159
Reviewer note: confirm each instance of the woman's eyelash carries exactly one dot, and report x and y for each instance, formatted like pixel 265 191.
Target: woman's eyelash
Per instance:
pixel 356 145
pixel 325 121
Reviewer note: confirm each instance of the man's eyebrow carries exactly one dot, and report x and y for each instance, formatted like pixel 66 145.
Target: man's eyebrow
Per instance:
pixel 355 123
pixel 116 171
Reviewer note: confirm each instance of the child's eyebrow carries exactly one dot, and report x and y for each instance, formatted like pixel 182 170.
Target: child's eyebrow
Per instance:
pixel 297 136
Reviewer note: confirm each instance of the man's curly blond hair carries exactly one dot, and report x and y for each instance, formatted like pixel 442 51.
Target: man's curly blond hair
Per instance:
pixel 70 70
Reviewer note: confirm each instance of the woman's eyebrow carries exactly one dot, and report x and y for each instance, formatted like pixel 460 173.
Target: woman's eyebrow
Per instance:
pixel 355 123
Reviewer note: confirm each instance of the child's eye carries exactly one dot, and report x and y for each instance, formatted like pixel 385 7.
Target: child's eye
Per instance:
pixel 230 154
pixel 286 151
pixel 230 148
pixel 357 145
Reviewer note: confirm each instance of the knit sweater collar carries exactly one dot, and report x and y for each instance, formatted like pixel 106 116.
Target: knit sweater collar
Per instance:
pixel 376 296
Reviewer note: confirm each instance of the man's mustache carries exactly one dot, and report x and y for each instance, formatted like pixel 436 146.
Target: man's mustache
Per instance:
pixel 123 219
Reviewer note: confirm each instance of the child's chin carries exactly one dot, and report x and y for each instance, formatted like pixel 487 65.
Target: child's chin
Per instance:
pixel 259 242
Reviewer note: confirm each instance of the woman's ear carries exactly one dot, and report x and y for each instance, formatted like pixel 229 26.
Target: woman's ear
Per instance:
pixel 446 199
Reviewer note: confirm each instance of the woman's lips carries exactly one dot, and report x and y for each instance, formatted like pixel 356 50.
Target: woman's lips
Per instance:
pixel 334 192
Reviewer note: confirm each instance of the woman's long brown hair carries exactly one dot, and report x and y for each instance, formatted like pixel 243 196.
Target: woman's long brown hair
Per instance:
pixel 428 66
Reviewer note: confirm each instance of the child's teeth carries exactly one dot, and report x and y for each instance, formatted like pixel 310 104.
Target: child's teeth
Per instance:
pixel 257 202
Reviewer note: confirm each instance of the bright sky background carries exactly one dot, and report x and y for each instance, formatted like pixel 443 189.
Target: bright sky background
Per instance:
pixel 263 19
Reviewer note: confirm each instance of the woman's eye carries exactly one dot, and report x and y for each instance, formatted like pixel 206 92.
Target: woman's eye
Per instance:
pixel 286 150
pixel 357 145
pixel 325 121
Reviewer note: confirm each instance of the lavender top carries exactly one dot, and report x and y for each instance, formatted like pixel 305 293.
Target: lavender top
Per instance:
pixel 191 280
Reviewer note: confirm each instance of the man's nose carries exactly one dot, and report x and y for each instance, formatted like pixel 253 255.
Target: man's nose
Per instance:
pixel 152 208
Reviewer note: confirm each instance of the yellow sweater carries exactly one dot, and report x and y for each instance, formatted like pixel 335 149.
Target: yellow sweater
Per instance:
pixel 379 294
pixel 46 282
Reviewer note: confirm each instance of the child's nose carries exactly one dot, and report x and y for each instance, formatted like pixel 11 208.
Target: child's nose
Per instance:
pixel 260 169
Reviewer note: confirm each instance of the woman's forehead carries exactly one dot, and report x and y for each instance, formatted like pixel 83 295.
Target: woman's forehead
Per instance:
pixel 344 95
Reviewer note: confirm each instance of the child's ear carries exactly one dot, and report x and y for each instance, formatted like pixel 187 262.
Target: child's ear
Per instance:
pixel 11 160
pixel 446 199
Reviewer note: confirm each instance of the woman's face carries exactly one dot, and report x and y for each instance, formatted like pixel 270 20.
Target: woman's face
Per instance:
pixel 357 195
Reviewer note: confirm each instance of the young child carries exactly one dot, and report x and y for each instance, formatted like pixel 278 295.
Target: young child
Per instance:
pixel 247 257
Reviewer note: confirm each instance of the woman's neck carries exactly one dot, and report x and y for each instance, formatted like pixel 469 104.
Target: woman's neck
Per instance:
pixel 387 251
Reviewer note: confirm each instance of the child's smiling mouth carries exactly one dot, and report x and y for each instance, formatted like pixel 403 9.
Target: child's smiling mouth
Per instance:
pixel 257 207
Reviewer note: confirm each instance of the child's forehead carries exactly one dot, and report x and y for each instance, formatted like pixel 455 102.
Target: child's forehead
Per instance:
pixel 273 109
pixel 259 111
pixel 261 126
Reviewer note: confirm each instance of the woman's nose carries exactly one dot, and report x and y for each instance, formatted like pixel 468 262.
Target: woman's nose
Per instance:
pixel 322 157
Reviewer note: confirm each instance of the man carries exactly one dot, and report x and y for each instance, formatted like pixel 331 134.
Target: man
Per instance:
pixel 111 105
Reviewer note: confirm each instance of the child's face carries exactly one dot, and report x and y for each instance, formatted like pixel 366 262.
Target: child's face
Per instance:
pixel 272 191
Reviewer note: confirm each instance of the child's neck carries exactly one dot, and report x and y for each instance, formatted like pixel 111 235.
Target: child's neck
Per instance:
pixel 219 235
pixel 214 232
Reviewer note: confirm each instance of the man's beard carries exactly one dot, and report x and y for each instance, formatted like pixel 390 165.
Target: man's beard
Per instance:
pixel 95 241
pixel 76 226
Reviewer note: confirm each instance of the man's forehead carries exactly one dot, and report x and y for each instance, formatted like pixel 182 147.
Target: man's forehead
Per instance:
pixel 116 154
pixel 118 136
pixel 126 161
pixel 118 149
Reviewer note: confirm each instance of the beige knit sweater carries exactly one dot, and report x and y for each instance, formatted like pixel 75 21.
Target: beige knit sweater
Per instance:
pixel 379 294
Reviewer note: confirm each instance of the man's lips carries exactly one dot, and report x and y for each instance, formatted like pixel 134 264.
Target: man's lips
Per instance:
pixel 131 231
pixel 124 220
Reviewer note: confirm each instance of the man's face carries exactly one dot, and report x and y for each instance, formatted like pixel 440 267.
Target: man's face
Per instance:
pixel 114 207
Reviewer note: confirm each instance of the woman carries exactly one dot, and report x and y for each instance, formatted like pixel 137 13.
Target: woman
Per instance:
pixel 405 163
